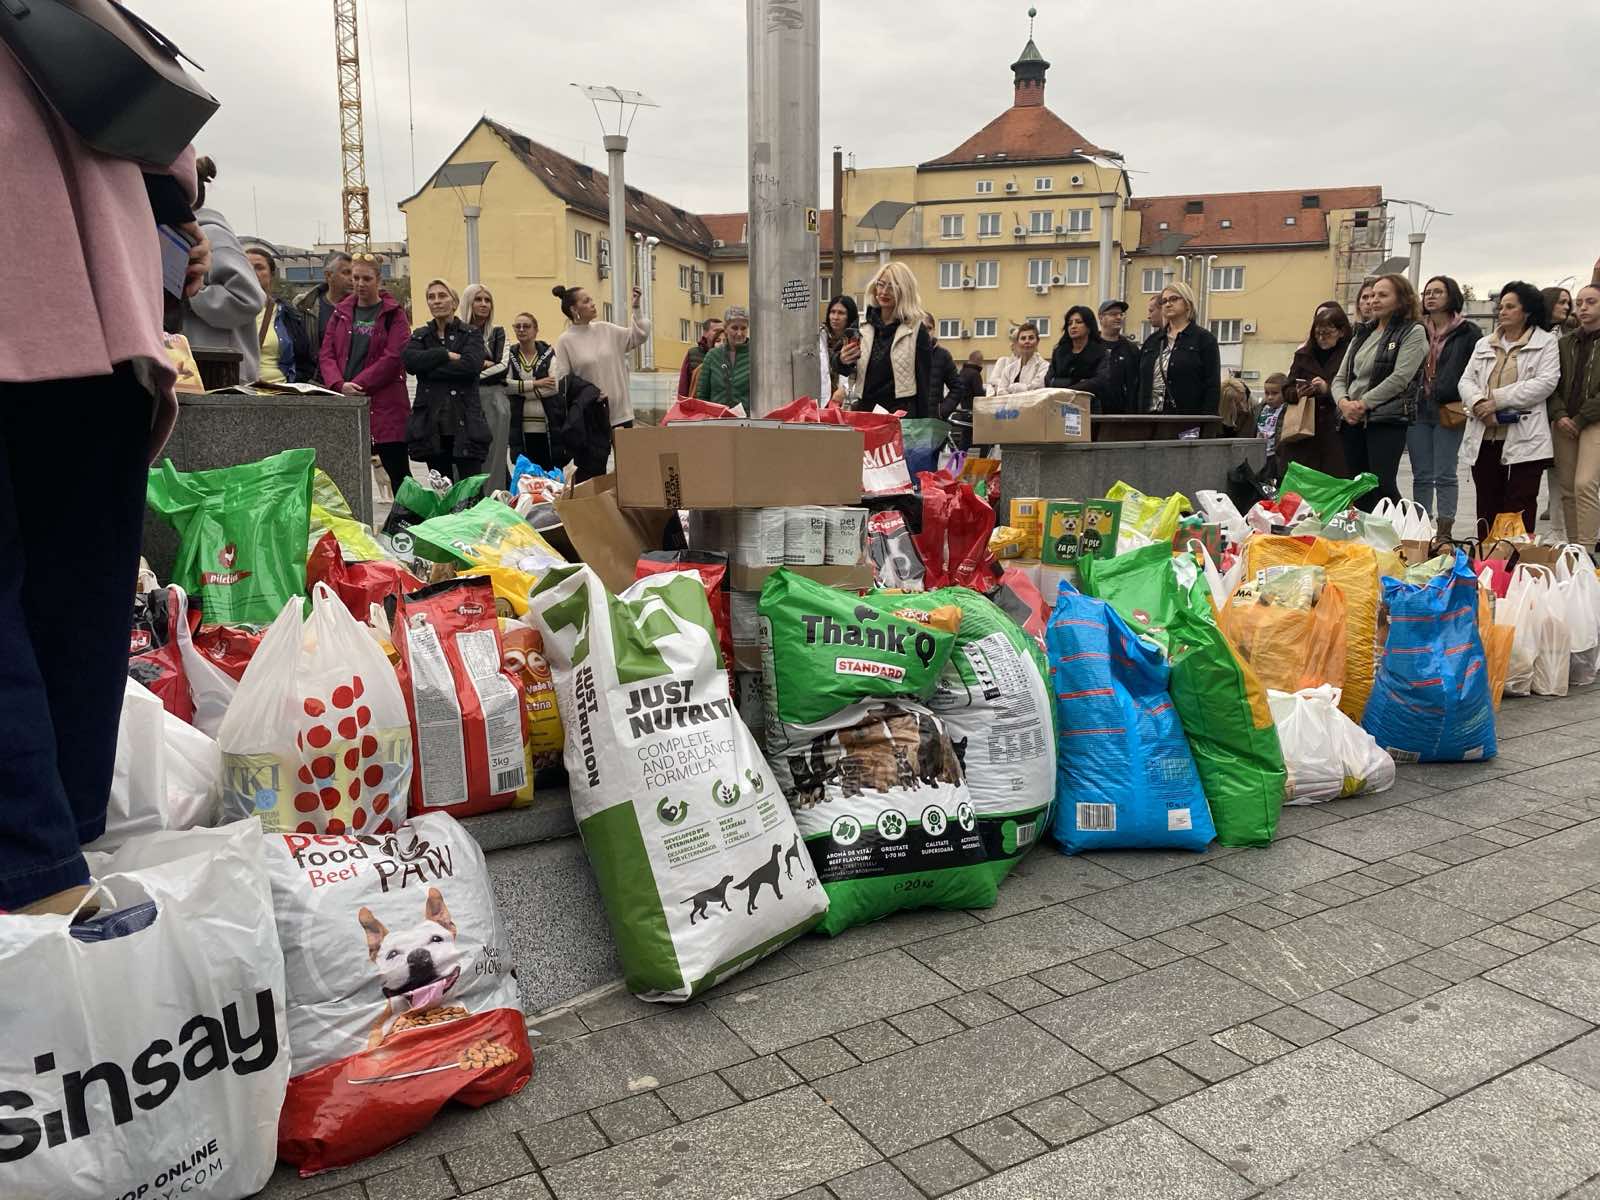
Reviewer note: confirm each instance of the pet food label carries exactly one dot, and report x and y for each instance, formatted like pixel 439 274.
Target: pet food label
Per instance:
pixel 805 535
pixel 441 745
pixel 699 862
pixel 844 535
pixel 499 701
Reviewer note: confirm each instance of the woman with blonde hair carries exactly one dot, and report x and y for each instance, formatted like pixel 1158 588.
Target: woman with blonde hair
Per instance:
pixel 477 310
pixel 446 429
pixel 1180 366
pixel 893 363
pixel 1379 385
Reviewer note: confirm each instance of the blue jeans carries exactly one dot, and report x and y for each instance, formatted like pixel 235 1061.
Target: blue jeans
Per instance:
pixel 1433 451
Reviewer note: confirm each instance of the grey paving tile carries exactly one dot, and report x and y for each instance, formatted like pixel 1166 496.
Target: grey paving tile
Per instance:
pixel 1382 835
pixel 1295 904
pixel 1360 883
pixel 1046 877
pixel 1375 994
pixel 1259 916
pixel 425 1180
pixel 1411 979
pixel 1312 955
pixel 975 1008
pixel 825 1056
pixel 1167 901
pixel 451 1129
pixel 1390 873
pixel 1569 914
pixel 1296 1025
pixel 285 1177
pixel 1512 941
pixel 1067 980
pixel 636 1116
pixel 726 1155
pixel 523 1187
pixel 821 1193
pixel 940 1167
pixel 556 1142
pixel 1579 1059
pixel 816 951
pixel 1022 993
pixel 1463 1036
pixel 1110 1100
pixel 1403 792
pixel 614 1008
pixel 1476 950
pixel 1566 778
pixel 880 1181
pixel 1329 894
pixel 930 1091
pixel 1208 1060
pixel 1502 837
pixel 1297 818
pixel 1132 1161
pixel 874 1040
pixel 1362 1173
pixel 489 1162
pixel 926 1024
pixel 587 1072
pixel 1528 1135
pixel 1119 1024
pixel 1447 965
pixel 1057 1120
pixel 758 1077
pixel 1297 1110
pixel 1253 1043
pixel 1146 864
pixel 1020 945
pixel 559 1027
pixel 1548 820
pixel 1521 879
pixel 1414 913
pixel 1481 804
pixel 1548 928
pixel 1420 863
pixel 690 1099
pixel 1000 1143
pixel 1225 927
pixel 1336 1010
pixel 800 1009
pixel 1161 1079
pixel 1109 965
pixel 1191 941
pixel 1445 777
pixel 1565 974
pixel 1287 865
pixel 1463 849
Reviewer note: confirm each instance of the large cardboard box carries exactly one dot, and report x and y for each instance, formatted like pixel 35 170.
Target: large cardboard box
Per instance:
pixel 743 578
pixel 1049 415
pixel 738 464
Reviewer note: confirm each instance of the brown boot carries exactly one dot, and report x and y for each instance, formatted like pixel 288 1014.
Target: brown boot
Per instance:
pixel 63 903
pixel 1445 527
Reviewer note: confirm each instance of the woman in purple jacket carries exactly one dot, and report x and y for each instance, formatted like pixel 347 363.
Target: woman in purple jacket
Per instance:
pixel 360 356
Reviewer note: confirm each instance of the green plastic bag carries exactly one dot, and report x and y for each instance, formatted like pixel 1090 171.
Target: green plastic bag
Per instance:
pixel 243 533
pixel 489 534
pixel 824 649
pixel 1218 698
pixel 1325 494
pixel 331 513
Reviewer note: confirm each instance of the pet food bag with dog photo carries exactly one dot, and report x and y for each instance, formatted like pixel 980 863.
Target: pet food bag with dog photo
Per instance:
pixel 401 993
pixel 144 1051
pixel 880 798
pixel 316 739
pixel 699 862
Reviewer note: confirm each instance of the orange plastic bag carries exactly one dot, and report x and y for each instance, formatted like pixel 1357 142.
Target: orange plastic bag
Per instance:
pixel 1496 647
pixel 1290 648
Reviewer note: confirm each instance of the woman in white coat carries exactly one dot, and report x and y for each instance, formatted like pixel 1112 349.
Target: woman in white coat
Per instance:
pixel 1509 376
pixel 1023 371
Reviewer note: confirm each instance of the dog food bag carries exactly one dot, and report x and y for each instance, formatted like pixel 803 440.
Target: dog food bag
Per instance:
pixel 879 796
pixel 522 656
pixel 896 561
pixel 154 659
pixel 845 536
pixel 401 995
pixel 700 865
pixel 466 707
pixel 829 649
pixel 712 567
pixel 805 535
pixel 759 537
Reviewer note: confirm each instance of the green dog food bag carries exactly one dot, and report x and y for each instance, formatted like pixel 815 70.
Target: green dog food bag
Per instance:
pixel 701 866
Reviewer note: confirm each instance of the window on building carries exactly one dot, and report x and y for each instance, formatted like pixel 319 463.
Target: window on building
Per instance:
pixel 988 272
pixel 1041 220
pixel 1079 219
pixel 950 225
pixel 582 246
pixel 1152 280
pixel 685 330
pixel 985 186
pixel 949 275
pixel 988 224
pixel 984 327
pixel 1145 330
pixel 1227 279
pixel 1162 225
pixel 1044 325
pixel 1043 183
pixel 685 277
pixel 1039 272
pixel 1225 223
pixel 609 314
pixel 1361 218
pixel 1226 332
pixel 1288 220
pixel 1077 271
pixel 949 327
pixel 715 283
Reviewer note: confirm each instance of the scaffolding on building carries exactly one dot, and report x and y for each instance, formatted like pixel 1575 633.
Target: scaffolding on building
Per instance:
pixel 1361 244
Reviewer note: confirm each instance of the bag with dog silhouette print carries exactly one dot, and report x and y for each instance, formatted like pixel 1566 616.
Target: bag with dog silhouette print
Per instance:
pixel 700 865
pixel 401 994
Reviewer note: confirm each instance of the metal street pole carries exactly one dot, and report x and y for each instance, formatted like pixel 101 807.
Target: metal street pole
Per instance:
pixel 784 74
pixel 1414 269
pixel 470 214
pixel 616 146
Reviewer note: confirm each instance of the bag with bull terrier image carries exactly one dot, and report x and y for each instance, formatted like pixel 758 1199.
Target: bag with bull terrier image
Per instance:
pixel 401 994
pixel 143 1051
pixel 699 863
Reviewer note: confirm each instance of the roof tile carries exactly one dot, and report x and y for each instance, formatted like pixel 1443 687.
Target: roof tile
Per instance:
pixel 1255 218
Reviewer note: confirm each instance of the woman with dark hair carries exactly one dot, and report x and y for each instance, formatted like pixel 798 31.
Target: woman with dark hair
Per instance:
pixel 528 383
pixel 1558 310
pixel 447 429
pixel 1180 365
pixel 286 355
pixel 1311 375
pixel 1508 378
pixel 1435 440
pixel 1378 383
pixel 843 317
pixel 597 350
pixel 1078 353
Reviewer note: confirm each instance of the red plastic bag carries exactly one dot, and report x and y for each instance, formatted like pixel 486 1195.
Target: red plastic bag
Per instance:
pixel 956 524
pixel 1019 599
pixel 154 658
pixel 883 461
pixel 690 408
pixel 465 705
pixel 231 647
pixel 713 571
pixel 361 584
pixel 801 410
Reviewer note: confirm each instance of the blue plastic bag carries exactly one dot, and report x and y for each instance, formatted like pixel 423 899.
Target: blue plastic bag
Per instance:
pixel 525 466
pixel 1125 777
pixel 1431 700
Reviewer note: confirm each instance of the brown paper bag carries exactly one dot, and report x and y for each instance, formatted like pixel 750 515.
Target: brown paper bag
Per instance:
pixel 606 536
pixel 1299 420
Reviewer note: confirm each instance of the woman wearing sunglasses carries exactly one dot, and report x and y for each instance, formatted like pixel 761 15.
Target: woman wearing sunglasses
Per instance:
pixel 1180 367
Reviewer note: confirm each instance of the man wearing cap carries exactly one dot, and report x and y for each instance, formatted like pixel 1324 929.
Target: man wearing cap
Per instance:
pixel 1116 383
pixel 725 370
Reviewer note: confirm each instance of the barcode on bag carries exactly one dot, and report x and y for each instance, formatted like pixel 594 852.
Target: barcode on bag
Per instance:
pixel 1025 832
pixel 509 781
pixel 1097 817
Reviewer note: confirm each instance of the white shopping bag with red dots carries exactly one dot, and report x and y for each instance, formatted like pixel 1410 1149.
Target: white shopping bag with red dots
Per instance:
pixel 317 739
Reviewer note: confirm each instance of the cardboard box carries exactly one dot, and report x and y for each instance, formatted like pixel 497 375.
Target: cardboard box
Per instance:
pixel 1063 531
pixel 750 579
pixel 1051 577
pixel 1102 521
pixel 1049 415
pixel 605 535
pixel 737 464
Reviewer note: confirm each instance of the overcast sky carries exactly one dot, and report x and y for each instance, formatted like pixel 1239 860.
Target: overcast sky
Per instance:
pixel 1479 109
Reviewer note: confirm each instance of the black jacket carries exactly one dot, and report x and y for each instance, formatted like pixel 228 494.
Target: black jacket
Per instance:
pixel 1194 371
pixel 447 402
pixel 305 355
pixel 1446 387
pixel 1069 369
pixel 1400 409
pixel 580 426
pixel 1115 385
pixel 947 387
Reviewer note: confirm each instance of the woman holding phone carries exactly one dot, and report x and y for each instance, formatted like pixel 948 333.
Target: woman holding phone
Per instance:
pixel 1378 384
pixel 1310 378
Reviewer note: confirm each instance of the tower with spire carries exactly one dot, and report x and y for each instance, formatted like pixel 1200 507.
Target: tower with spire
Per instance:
pixel 1028 71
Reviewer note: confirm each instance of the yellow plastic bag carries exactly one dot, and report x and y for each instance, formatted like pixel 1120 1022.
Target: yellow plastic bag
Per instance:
pixel 1290 648
pixel 1507 525
pixel 1153 516
pixel 331 511
pixel 1353 567
pixel 511 587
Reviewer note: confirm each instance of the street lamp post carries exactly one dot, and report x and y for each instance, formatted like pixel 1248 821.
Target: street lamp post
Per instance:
pixel 616 144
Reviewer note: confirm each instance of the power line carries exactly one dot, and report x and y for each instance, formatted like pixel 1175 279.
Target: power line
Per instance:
pixel 411 112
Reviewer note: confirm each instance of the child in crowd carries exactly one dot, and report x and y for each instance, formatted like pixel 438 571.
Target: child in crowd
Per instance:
pixel 1271 413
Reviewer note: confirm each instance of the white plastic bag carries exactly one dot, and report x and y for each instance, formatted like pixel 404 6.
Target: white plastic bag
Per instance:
pixel 1219 509
pixel 1410 520
pixel 1328 755
pixel 211 688
pixel 154 1063
pixel 1223 584
pixel 1536 609
pixel 168 773
pixel 317 740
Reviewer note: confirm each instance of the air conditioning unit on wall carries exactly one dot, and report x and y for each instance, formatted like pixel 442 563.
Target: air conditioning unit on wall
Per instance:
pixel 1055 281
pixel 966 334
pixel 1077 181
pixel 1011 187
pixel 1018 231
pixel 1042 290
pixel 967 281
pixel 1247 327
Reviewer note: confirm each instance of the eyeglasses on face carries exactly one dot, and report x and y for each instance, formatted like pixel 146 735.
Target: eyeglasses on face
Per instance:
pixel 1172 299
pixel 364 257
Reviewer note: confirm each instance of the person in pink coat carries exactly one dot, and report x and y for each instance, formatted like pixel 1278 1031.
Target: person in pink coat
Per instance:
pixel 360 356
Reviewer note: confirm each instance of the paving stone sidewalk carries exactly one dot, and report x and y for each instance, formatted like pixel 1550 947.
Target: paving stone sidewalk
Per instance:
pixel 1398 999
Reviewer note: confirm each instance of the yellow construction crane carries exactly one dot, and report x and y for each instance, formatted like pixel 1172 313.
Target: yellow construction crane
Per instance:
pixel 352 151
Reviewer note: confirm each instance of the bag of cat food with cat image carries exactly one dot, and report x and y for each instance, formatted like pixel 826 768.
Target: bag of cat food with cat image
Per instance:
pixel 699 863
pixel 880 797
pixel 402 996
